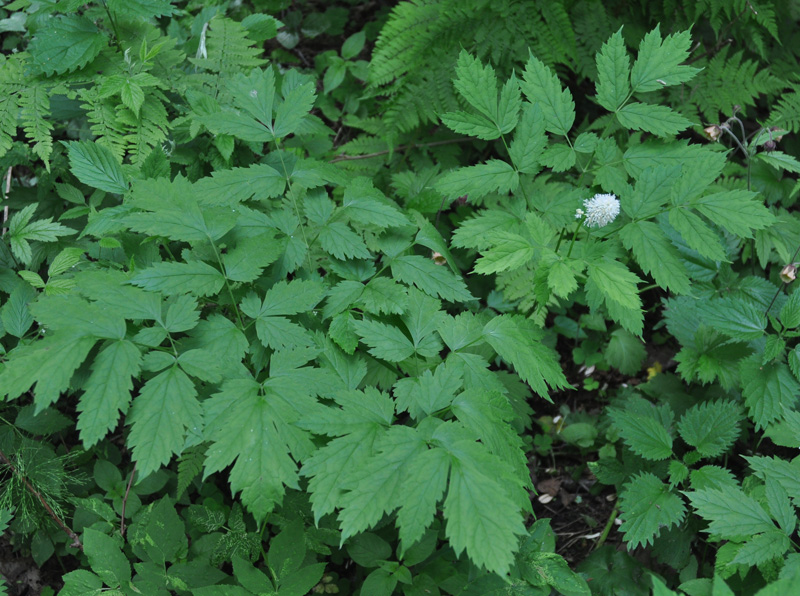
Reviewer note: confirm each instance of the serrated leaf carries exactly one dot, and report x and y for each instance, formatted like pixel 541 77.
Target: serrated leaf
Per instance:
pixel 659 120
pixel 195 277
pixel 790 312
pixel 141 9
pixel 477 84
pixel 559 156
pixel 656 255
pixel 337 239
pixel 95 165
pixel 613 70
pixel 767 389
pixel 477 181
pixel 529 139
pixel 734 317
pixel 780 470
pixel 648 505
pixel 625 352
pixel 364 203
pixel 697 234
pixel 294 108
pixel 473 125
pixel 541 86
pixel 762 548
pixel 780 507
pixel 659 62
pixel 106 558
pixel 780 160
pixel 432 279
pixel 107 392
pixel 510 251
pixel 643 432
pixel 738 211
pixel 162 412
pixel 66 43
pixel 711 427
pixel 384 341
pixel 259 181
pixel 516 340
pixel 731 513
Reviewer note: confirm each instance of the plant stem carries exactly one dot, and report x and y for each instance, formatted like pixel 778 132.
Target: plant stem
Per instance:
pixel 575 235
pixel 607 530
pixel 227 285
pixel 113 26
pixel 125 501
pixel 76 541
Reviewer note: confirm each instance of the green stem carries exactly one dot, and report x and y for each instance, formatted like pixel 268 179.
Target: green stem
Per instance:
pixel 114 27
pixel 607 530
pixel 575 235
pixel 294 202
pixel 227 285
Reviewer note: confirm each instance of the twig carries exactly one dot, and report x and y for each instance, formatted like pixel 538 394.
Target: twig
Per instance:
pixel 400 148
pixel 125 501
pixel 5 199
pixel 76 542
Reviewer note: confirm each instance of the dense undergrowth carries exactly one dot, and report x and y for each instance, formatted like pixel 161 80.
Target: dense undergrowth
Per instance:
pixel 335 297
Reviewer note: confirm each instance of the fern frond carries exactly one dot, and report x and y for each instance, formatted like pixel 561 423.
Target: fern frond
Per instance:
pixel 34 102
pixel 102 117
pixel 786 113
pixel 729 81
pixel 145 131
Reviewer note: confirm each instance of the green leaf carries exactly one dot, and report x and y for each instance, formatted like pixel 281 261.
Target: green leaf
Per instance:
pixel 647 506
pixel 510 251
pixel 711 427
pixel 762 548
pixel 780 470
pixel 790 312
pixel 517 341
pixel 106 558
pixel 14 314
pixel 165 408
pixel 82 583
pixel 611 282
pixel 422 396
pixel 643 431
pixel 559 156
pixel 697 234
pixel 423 490
pixel 240 184
pixel 613 70
pixel 780 507
pixel 780 160
pixel 66 43
pixel 245 262
pixel 541 86
pixel 108 390
pixel 477 84
pixel 656 255
pixel 255 93
pixel 21 230
pixel 353 45
pixel 651 192
pixel 363 203
pixel 659 62
pixel 431 278
pixel 285 298
pixel 738 211
pixel 195 277
pixel 478 181
pixel 473 125
pixel 94 165
pixel 767 389
pixel 734 317
pixel 295 107
pixel 625 352
pixel 337 239
pixel 141 9
pixel 731 513
pixel 659 120
pixel 384 341
pixel 250 426
pixel 529 139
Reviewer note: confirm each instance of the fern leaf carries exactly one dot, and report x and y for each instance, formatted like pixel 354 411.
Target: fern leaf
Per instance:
pixel 103 123
pixel 147 130
pixel 35 104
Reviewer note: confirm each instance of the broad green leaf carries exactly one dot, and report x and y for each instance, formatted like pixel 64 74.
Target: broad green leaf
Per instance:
pixel 21 230
pixel 762 548
pixel 106 559
pixel 659 120
pixel 697 234
pixel 364 203
pixel 285 298
pixel 107 392
pixel 339 240
pixel 510 251
pixel 656 255
pixel 625 352
pixel 245 262
pixel 517 341
pixel 647 506
pixel 738 211
pixel 783 471
pixel 643 432
pixel 734 317
pixel 613 70
pixel 422 491
pixel 250 427
pixel 541 86
pixel 529 139
pixel 477 232
pixel 659 62
pixel 477 84
pixel 651 192
pixel 238 125
pixel 72 313
pixel 254 93
pixel 259 181
pixel 383 295
pixel 731 513
pixel 426 394
pixel 384 341
pixel 195 277
pixel 473 125
pixel 780 160
pixel 295 107
pixel 82 583
pixel 15 314
pixel 711 427
pixel 165 408
pixel 96 166
pixel 611 282
pixel 561 278
pixel 780 507
pixel 280 333
pixel 431 278
pixel 477 181
pixel 559 156
pixel 508 106
pixel 141 9
pixel 66 43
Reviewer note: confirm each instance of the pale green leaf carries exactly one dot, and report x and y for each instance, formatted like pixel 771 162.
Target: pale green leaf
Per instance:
pixel 66 43
pixel 94 165
pixel 541 86
pixel 613 70
pixel 656 119
pixel 659 62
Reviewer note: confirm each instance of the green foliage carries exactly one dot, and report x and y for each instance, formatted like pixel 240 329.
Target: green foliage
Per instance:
pixel 265 328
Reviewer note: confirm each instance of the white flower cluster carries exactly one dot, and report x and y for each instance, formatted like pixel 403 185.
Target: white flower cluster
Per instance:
pixel 601 210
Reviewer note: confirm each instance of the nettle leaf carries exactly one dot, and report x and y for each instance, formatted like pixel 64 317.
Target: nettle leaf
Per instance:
pixel 659 61
pixel 731 513
pixel 642 427
pixel 712 427
pixel 648 505
pixel 96 166
pixel 762 548
pixel 613 71
pixel 625 352
pixel 162 412
pixel 541 86
pixel 66 43
pixel 517 340
pixel 735 317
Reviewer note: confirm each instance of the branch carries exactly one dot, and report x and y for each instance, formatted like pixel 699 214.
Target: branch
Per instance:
pixel 76 542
